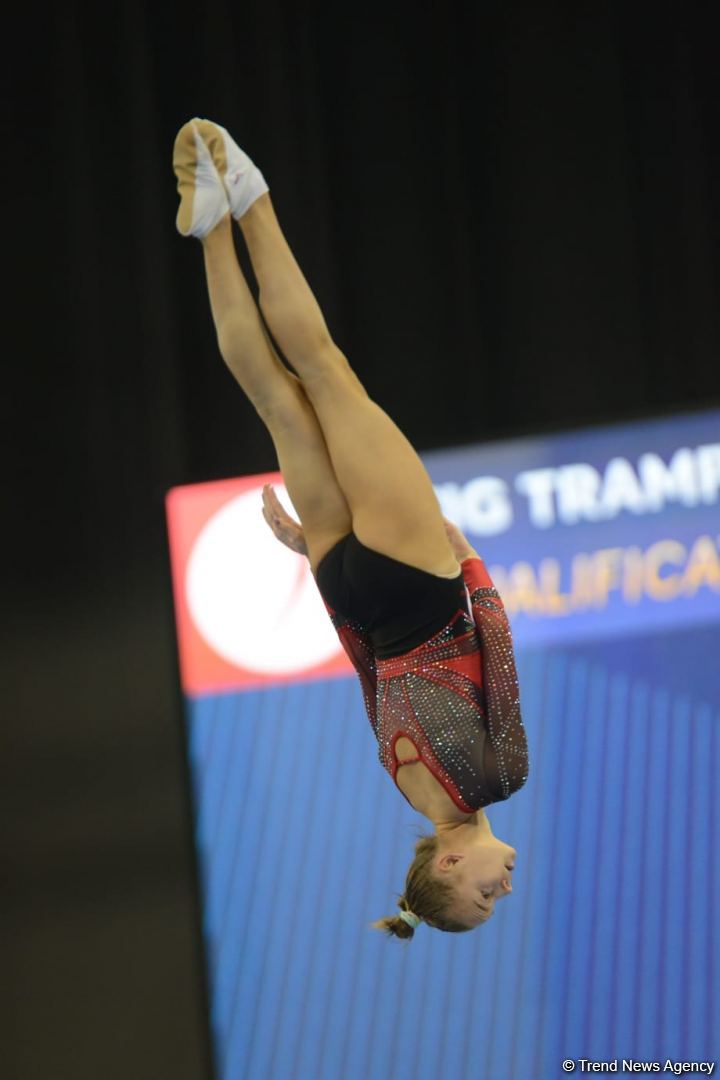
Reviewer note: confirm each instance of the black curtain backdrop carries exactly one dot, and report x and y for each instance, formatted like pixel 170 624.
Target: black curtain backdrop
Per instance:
pixel 510 216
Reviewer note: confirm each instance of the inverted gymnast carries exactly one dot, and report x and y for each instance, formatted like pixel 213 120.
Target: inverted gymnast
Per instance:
pixel 412 602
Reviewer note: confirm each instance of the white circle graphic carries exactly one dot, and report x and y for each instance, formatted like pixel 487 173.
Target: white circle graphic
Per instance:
pixel 253 600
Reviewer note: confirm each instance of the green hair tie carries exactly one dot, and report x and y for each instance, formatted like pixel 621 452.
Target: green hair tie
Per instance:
pixel 412 920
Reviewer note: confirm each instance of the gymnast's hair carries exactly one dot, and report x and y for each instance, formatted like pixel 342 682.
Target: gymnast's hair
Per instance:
pixel 426 896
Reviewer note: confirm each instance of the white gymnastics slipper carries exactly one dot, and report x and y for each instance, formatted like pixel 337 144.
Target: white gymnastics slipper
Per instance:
pixel 203 203
pixel 244 183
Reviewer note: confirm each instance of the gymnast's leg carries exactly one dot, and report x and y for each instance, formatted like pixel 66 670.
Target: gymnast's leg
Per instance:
pixel 275 392
pixel 393 505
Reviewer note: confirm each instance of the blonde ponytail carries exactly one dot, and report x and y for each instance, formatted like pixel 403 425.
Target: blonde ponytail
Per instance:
pixel 402 925
pixel 427 898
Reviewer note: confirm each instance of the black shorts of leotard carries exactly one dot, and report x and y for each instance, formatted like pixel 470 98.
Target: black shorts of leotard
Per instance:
pixel 398 605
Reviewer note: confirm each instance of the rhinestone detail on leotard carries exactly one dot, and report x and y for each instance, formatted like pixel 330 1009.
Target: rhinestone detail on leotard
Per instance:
pixel 455 697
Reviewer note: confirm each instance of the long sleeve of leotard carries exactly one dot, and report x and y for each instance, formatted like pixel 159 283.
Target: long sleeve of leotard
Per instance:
pixel 358 646
pixel 502 697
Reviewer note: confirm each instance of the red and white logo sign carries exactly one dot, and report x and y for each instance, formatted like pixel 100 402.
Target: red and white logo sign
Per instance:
pixel 247 608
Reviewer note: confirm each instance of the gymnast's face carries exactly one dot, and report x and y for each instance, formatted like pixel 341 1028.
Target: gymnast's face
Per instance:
pixel 481 875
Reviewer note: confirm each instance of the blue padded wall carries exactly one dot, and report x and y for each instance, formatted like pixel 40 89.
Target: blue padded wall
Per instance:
pixel 607 949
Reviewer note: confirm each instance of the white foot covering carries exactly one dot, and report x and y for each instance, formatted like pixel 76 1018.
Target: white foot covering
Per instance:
pixel 203 203
pixel 244 183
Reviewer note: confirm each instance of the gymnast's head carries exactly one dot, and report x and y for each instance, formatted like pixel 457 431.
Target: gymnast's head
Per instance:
pixel 453 884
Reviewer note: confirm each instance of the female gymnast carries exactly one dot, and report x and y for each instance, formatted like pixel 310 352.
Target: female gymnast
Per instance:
pixel 412 602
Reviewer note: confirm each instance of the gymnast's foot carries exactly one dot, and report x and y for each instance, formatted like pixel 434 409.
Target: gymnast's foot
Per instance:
pixel 244 183
pixel 203 203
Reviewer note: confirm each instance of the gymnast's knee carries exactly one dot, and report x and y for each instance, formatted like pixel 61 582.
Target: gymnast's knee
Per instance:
pixel 283 404
pixel 330 375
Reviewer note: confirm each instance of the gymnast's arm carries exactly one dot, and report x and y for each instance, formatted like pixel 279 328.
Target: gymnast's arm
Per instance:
pixel 354 640
pixel 502 696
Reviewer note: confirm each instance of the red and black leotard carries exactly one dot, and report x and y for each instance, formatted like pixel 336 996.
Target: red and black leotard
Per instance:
pixel 455 696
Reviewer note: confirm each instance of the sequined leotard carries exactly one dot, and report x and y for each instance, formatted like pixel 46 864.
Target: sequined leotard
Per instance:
pixel 455 697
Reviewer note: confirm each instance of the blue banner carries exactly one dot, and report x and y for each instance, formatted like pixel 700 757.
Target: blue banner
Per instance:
pixel 593 533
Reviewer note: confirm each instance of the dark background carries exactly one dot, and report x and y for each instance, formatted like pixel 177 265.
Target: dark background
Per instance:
pixel 510 216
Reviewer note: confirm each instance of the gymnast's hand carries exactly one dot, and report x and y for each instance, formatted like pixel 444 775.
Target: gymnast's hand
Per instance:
pixel 460 545
pixel 288 532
